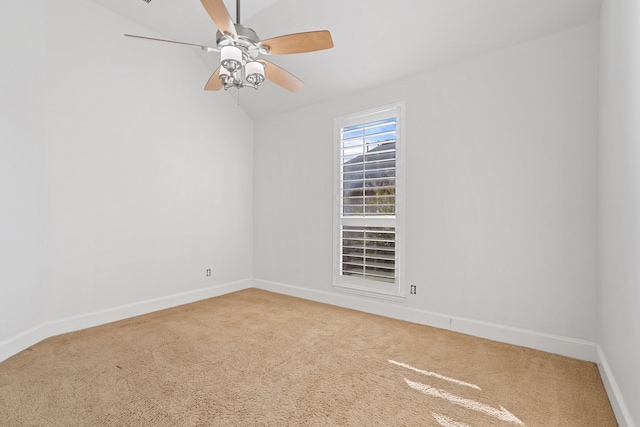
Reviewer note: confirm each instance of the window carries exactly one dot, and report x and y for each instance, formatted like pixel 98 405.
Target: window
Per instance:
pixel 368 185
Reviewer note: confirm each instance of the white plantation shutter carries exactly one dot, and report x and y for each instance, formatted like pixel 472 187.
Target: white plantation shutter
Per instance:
pixel 367 184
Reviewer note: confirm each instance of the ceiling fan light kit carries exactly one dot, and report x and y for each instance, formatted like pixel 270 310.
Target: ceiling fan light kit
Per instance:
pixel 240 46
pixel 237 57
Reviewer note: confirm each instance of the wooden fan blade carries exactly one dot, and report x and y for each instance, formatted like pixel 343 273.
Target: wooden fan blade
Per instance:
pixel 281 77
pixel 220 16
pixel 214 82
pixel 299 42
pixel 205 48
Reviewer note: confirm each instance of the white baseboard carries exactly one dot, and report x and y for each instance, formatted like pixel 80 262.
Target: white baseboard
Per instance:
pixel 618 403
pixel 45 330
pixel 564 346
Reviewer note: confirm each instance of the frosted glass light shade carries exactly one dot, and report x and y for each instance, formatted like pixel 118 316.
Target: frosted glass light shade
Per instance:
pixel 231 58
pixel 254 71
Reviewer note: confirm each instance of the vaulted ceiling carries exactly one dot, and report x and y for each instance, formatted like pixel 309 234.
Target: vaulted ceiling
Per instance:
pixel 376 41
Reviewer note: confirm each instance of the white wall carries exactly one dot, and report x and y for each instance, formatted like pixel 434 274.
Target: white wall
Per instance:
pixel 22 167
pixel 501 187
pixel 619 308
pixel 139 180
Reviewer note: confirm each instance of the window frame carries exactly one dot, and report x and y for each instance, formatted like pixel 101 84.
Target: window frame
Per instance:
pixel 393 291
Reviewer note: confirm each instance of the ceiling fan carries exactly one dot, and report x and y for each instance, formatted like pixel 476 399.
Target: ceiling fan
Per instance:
pixel 240 48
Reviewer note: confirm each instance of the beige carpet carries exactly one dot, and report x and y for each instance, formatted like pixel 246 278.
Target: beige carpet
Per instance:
pixel 255 358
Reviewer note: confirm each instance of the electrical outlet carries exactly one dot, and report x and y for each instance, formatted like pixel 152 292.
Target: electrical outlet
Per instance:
pixel 413 289
pixel 208 272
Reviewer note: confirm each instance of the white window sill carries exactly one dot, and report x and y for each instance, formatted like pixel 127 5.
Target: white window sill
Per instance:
pixel 368 292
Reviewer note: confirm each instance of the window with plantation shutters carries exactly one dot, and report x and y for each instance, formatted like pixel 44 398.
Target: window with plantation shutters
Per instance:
pixel 368 180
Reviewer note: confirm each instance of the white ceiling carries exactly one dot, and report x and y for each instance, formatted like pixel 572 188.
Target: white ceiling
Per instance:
pixel 376 41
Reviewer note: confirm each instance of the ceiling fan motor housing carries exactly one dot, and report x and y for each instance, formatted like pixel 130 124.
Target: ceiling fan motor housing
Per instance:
pixel 247 41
